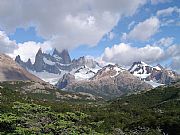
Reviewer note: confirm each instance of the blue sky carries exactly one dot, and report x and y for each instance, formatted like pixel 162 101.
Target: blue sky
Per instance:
pixel 147 27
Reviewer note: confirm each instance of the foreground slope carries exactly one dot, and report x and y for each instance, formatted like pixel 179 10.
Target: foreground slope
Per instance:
pixel 154 112
pixel 11 71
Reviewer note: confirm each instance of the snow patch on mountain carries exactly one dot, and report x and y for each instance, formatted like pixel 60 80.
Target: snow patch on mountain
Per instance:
pixel 154 84
pixel 142 76
pixel 57 57
pixel 85 72
pixel 48 61
pixel 157 68
pixel 118 70
pixel 48 77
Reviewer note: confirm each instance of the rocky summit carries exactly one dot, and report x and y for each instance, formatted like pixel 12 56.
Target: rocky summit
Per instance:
pixel 109 82
pixel 153 73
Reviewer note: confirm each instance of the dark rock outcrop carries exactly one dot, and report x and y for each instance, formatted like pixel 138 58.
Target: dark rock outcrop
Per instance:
pixel 65 80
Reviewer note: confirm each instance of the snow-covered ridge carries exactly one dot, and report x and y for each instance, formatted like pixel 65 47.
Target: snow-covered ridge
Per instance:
pixel 85 72
pixel 142 70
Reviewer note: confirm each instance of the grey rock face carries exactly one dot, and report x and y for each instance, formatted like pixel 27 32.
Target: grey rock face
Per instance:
pixel 164 76
pixel 83 61
pixel 63 56
pixel 50 63
pixel 39 63
pixel 29 64
pixel 24 64
pixel 65 80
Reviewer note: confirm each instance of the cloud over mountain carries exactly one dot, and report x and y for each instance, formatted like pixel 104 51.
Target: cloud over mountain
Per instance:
pixel 6 45
pixel 67 24
pixel 125 54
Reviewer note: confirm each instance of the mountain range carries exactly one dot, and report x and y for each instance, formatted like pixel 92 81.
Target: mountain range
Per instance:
pixel 88 76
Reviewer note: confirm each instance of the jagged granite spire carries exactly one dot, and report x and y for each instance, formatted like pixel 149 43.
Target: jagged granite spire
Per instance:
pixel 64 55
pixel 18 59
pixel 29 64
pixel 38 64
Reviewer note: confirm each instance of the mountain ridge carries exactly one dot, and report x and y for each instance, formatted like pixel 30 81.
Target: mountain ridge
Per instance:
pixel 11 71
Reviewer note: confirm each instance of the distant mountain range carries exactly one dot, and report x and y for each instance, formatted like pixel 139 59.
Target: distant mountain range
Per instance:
pixel 86 75
pixel 109 82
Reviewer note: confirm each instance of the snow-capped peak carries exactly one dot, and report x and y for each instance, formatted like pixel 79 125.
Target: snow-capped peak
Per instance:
pixel 141 69
pixel 85 72
pixel 109 71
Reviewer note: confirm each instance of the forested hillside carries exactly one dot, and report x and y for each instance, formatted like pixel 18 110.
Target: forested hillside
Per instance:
pixel 154 112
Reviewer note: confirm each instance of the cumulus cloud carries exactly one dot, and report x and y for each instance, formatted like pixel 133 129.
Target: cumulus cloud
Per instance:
pixel 6 45
pixel 144 30
pixel 168 11
pixel 25 50
pixel 125 54
pixel 111 35
pixel 29 50
pixel 67 24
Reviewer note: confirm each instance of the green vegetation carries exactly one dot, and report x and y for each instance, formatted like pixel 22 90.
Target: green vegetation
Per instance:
pixel 154 112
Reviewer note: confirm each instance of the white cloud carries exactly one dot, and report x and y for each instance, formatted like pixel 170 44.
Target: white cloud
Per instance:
pixel 131 24
pixel 29 49
pixel 154 2
pixel 124 37
pixel 168 11
pixel 25 50
pixel 144 30
pixel 6 45
pixel 173 51
pixel 165 42
pixel 111 35
pixel 67 24
pixel 166 22
pixel 124 54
